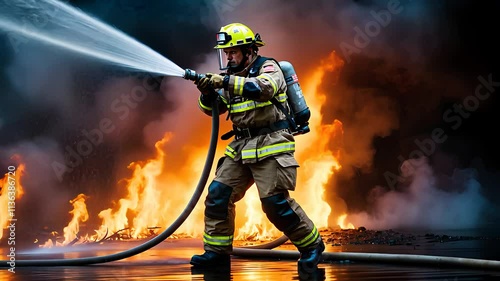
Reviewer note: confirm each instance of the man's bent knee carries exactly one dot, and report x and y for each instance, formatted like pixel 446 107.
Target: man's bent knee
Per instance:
pixel 279 212
pixel 217 201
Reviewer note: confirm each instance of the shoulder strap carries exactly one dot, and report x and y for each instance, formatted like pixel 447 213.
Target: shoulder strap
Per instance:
pixel 291 120
pixel 254 71
pixel 259 61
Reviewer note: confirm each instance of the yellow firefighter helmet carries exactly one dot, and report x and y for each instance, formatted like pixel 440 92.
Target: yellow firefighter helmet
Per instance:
pixel 237 34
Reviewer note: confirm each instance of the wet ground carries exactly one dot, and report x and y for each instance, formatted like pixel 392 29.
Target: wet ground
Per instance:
pixel 170 260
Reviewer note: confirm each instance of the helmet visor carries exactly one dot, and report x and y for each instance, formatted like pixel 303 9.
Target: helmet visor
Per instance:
pixel 222 61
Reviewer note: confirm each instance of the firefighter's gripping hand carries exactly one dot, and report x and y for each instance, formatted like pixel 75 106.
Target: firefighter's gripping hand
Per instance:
pixel 216 80
pixel 203 85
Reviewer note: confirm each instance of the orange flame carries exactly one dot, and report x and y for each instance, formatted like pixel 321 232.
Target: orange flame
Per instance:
pixel 146 205
pixel 142 198
pixel 256 226
pixel 80 214
pixel 318 153
pixel 11 190
pixel 341 222
pixel 150 204
pixel 320 160
pixel 156 195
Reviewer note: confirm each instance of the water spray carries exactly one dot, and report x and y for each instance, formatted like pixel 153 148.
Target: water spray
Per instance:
pixel 73 30
pixel 64 26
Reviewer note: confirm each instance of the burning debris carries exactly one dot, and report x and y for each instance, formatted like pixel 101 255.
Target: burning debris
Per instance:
pixel 363 236
pixel 56 240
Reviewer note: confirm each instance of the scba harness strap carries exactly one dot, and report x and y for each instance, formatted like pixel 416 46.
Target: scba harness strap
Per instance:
pixel 254 72
pixel 277 126
pixel 241 133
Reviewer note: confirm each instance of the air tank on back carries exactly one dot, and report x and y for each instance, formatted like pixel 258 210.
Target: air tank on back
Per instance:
pixel 301 112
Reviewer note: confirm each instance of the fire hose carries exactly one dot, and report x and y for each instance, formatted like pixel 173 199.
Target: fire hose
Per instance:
pixel 157 239
pixel 263 250
pixel 167 232
pixel 409 259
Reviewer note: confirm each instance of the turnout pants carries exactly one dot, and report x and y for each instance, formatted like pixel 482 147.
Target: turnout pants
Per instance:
pixel 274 177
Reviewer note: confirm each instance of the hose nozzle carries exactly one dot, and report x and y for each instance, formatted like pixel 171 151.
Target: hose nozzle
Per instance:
pixel 190 74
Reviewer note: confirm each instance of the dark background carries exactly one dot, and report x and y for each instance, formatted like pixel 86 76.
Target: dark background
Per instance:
pixel 423 64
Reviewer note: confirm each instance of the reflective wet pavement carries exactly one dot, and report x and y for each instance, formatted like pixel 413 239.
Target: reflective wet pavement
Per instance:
pixel 170 261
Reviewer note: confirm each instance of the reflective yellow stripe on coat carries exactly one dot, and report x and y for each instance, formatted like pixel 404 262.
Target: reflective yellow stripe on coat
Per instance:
pixel 230 152
pixel 239 82
pixel 203 106
pixel 268 150
pixel 251 105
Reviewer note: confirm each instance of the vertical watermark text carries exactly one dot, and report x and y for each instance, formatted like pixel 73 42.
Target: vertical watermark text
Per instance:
pixel 11 211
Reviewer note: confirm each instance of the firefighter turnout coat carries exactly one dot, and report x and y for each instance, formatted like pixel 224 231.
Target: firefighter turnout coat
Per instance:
pixel 262 152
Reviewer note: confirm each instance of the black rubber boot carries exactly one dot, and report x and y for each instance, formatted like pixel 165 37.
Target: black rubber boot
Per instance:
pixel 211 259
pixel 309 259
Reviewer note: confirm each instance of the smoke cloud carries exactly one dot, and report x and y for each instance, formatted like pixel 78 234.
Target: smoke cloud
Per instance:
pixel 75 121
pixel 423 203
pixel 40 186
pixel 401 86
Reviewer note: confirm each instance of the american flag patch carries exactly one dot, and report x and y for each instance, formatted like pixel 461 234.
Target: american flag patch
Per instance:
pixel 295 78
pixel 269 68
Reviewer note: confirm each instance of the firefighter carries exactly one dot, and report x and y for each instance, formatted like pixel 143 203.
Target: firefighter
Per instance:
pixel 262 151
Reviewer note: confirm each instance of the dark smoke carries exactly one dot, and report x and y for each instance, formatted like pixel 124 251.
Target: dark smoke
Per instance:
pixel 54 102
pixel 396 97
pixel 390 93
pixel 403 78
